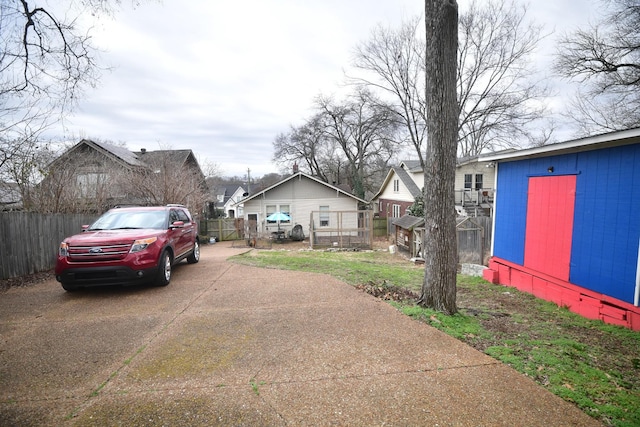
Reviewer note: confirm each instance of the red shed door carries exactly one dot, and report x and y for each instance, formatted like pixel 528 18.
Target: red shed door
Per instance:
pixel 550 206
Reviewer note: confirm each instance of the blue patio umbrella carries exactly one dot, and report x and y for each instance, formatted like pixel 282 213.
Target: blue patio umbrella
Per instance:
pixel 278 216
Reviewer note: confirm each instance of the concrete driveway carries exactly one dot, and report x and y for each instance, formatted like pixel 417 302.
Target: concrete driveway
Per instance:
pixel 230 345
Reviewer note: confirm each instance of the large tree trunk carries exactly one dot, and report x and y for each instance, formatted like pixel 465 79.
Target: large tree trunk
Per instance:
pixel 440 247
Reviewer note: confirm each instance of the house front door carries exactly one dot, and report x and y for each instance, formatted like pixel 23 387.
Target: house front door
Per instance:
pixel 252 224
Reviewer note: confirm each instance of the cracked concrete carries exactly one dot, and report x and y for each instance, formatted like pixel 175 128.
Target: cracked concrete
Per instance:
pixel 225 344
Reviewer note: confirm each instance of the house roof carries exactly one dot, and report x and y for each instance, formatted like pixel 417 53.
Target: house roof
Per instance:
pixel 174 156
pixel 120 152
pixel 227 192
pixel 412 165
pixel 404 177
pixel 408 222
pixel 611 139
pixel 302 175
pixel 407 181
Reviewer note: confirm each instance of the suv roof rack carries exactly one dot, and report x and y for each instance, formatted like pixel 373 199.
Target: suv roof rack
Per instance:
pixel 175 205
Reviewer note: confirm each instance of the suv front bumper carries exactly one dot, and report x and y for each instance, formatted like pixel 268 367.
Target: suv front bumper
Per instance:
pixel 111 275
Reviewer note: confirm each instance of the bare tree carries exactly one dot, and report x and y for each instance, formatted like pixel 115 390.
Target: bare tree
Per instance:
pixel 344 142
pixel 46 61
pixel 497 87
pixel 395 61
pixel 439 286
pixel 306 146
pixel 83 183
pixel 364 131
pixel 605 60
pixel 168 179
pixel 25 167
pixel 497 93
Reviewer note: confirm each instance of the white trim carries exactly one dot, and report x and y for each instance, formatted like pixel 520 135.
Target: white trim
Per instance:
pixel 590 143
pixel 636 299
pixel 495 205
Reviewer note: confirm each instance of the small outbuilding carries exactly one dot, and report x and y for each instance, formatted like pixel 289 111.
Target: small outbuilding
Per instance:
pixel 567 226
pixel 409 234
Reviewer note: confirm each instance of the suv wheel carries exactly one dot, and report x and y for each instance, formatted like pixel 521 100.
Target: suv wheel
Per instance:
pixel 194 256
pixel 69 288
pixel 164 269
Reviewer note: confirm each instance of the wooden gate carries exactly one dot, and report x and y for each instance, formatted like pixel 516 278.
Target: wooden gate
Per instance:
pixel 470 235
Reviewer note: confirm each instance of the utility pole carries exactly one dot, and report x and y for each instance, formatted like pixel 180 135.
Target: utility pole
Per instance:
pixel 249 181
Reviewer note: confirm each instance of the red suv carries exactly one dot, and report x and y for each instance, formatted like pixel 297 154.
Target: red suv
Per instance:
pixel 128 246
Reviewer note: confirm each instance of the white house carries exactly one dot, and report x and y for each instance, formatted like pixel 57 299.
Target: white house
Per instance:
pixel 399 190
pixel 473 188
pixel 233 209
pixel 303 198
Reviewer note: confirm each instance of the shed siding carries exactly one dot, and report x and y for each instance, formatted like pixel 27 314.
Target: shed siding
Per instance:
pixel 607 223
pixel 606 227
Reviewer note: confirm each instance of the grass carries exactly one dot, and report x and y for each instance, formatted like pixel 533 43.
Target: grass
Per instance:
pixel 586 362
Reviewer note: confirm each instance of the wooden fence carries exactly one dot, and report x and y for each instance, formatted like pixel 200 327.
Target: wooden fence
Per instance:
pixel 29 241
pixel 474 239
pixel 380 227
pixel 222 229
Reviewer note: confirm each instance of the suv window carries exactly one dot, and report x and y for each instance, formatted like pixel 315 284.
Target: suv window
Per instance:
pixel 182 216
pixel 173 216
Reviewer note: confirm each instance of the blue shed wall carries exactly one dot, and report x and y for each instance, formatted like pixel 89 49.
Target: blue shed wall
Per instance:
pixel 606 232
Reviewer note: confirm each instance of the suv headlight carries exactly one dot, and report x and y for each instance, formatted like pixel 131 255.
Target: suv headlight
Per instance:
pixel 141 244
pixel 63 251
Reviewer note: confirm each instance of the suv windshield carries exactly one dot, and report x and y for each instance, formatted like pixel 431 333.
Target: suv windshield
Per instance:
pixel 118 220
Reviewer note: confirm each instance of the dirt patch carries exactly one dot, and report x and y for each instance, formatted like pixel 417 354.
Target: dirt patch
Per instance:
pixel 24 281
pixel 389 292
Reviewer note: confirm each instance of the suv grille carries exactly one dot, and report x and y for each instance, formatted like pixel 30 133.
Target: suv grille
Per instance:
pixel 95 253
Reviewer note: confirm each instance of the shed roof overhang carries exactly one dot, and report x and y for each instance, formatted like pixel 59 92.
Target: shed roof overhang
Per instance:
pixel 607 140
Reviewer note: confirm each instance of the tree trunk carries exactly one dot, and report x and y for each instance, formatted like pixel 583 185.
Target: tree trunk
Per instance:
pixel 440 247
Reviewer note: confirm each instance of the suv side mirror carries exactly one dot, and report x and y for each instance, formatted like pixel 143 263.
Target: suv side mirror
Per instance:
pixel 177 224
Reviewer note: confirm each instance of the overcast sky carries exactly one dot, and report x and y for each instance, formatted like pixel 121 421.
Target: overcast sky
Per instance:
pixel 223 78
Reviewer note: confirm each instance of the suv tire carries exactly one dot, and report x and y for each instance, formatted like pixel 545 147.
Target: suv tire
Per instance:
pixel 194 256
pixel 69 288
pixel 164 269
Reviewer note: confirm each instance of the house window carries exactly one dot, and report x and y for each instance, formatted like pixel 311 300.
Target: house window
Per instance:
pixel 468 181
pixel 396 211
pixel 271 209
pixel 90 183
pixel 285 210
pixel 478 181
pixel 324 216
pixel 396 185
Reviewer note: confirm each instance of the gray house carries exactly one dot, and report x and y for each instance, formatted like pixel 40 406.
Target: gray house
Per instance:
pixel 313 204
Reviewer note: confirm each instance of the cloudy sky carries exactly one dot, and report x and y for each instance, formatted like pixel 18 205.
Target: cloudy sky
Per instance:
pixel 223 78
